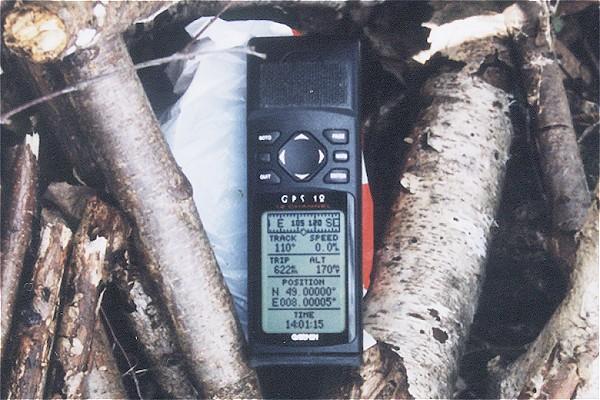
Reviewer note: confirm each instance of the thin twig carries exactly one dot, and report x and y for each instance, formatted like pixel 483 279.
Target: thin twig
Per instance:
pixel 590 53
pixel 129 363
pixel 587 131
pixel 206 26
pixel 5 118
pixel 553 7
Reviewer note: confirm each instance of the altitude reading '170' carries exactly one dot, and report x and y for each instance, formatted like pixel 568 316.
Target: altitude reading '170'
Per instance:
pixel 303 272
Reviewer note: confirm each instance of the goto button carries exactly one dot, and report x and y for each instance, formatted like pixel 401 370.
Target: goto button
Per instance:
pixel 268 137
pixel 336 136
pixel 338 175
pixel 268 177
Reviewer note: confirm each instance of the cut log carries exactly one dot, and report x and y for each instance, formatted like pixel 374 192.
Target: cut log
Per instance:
pixel 563 361
pixel 430 267
pixel 86 273
pixel 103 379
pixel 18 214
pixel 46 31
pixel 561 165
pixel 117 121
pixel 38 325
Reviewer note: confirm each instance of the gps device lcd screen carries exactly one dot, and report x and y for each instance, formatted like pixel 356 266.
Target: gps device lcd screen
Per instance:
pixel 303 271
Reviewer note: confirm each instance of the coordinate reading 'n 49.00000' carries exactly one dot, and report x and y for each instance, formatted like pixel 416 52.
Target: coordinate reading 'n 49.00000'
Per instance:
pixel 303 271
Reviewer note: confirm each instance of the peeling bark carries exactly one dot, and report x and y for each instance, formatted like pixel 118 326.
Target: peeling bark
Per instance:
pixel 38 324
pixel 74 201
pixel 561 165
pixel 430 268
pixel 46 31
pixel 103 380
pixel 563 361
pixel 141 173
pixel 85 275
pixel 18 214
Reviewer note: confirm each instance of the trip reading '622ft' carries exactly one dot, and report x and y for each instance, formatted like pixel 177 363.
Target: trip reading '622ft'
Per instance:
pixel 303 272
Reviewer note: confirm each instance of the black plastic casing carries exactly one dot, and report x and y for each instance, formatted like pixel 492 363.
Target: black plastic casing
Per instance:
pixel 319 94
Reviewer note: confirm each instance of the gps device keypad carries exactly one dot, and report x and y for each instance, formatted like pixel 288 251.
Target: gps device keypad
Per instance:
pixel 302 156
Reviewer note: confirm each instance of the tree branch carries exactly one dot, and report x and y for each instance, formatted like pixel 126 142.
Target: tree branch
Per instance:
pixel 126 141
pixel 93 246
pixel 19 211
pixel 38 324
pixel 561 165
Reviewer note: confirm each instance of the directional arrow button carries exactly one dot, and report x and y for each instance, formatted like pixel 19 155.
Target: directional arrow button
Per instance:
pixel 302 156
pixel 282 157
pixel 321 156
pixel 301 136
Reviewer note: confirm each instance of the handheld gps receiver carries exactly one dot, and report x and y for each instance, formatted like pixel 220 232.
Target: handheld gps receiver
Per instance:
pixel 304 272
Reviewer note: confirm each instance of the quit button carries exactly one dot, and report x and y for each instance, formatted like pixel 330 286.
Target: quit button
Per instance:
pixel 268 177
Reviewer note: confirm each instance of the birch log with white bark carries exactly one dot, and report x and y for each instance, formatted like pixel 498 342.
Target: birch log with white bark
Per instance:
pixel 430 267
pixel 563 361
pixel 18 213
pixel 38 326
pixel 126 141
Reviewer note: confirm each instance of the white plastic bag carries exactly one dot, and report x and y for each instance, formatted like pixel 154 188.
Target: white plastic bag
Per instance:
pixel 206 130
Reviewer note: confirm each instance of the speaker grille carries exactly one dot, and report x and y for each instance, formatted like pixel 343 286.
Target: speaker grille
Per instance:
pixel 303 84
